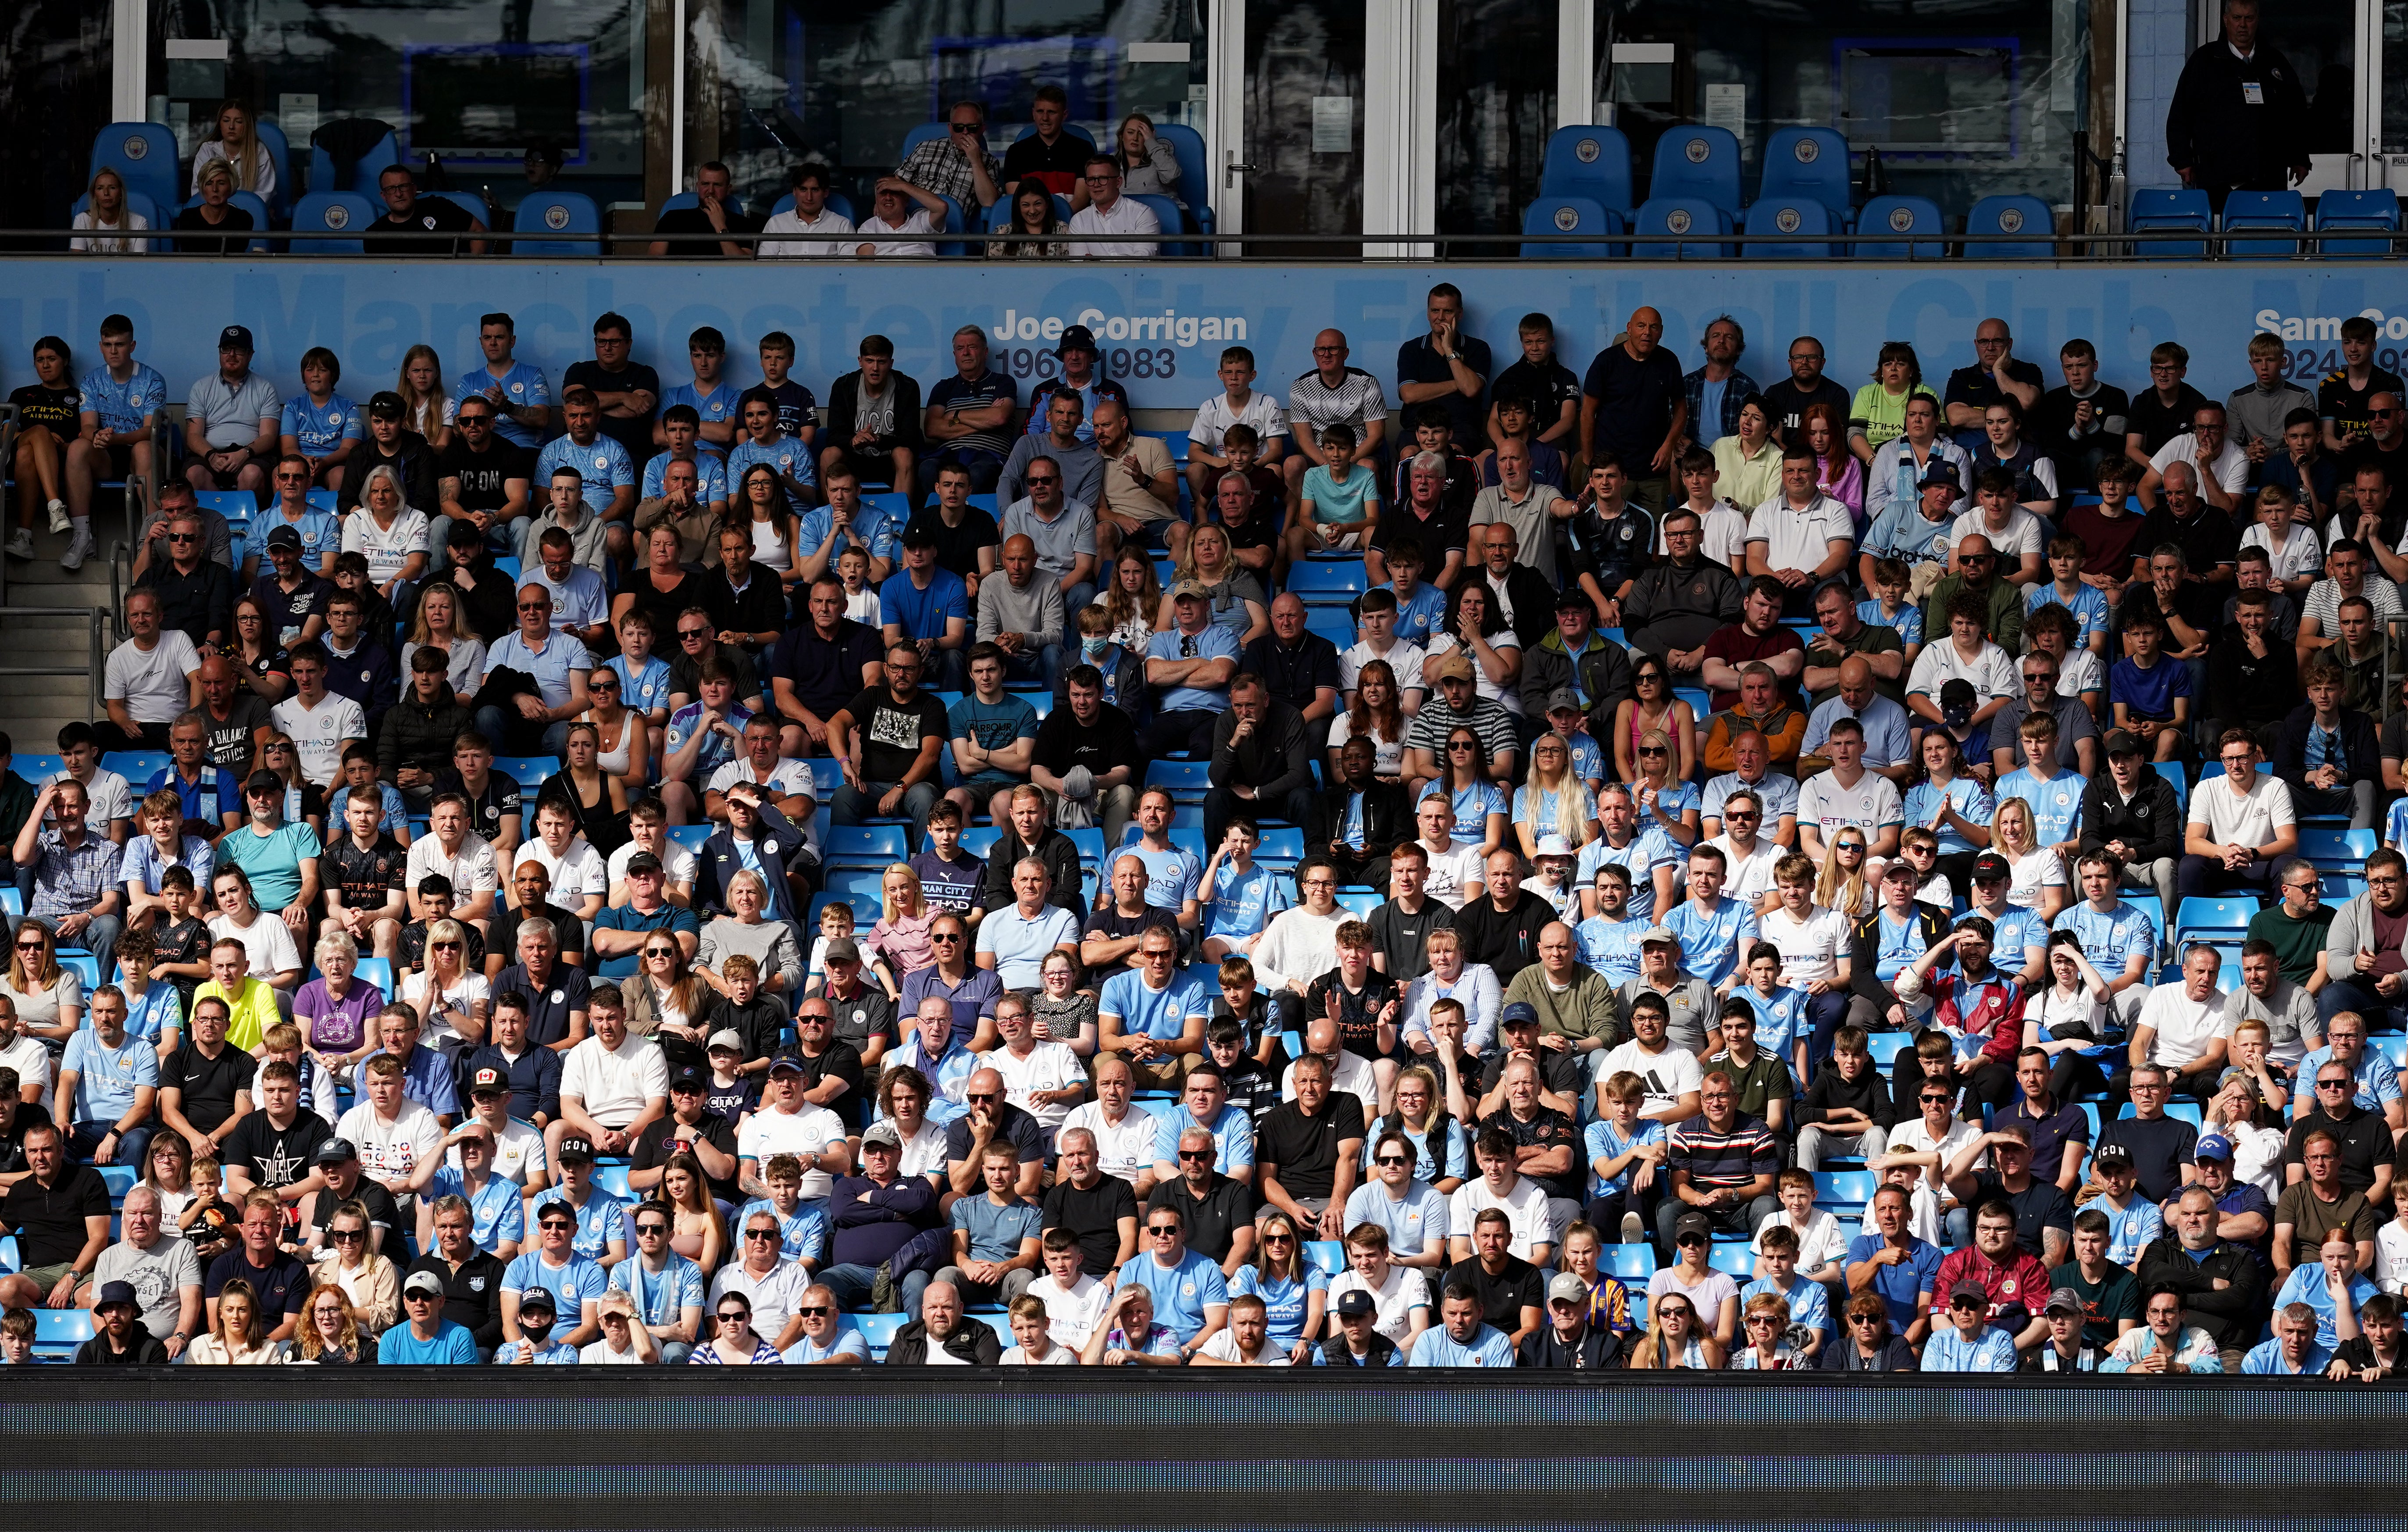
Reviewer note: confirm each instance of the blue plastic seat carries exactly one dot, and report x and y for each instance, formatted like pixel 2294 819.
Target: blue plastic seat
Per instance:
pixel 1569 215
pixel 528 771
pixel 57 1333
pixel 2014 215
pixel 1662 221
pixel 1360 903
pixel 1194 174
pixel 2172 772
pixel 1587 161
pixel 1734 1258
pixel 1807 163
pixel 2206 914
pixel 341 214
pixel 2375 211
pixel 1328 581
pixel 1167 213
pixel 2336 851
pixel 2285 210
pixel 692 837
pixel 1329 1256
pixel 280 154
pixel 556 212
pixel 1776 230
pixel 1331 623
pixel 235 506
pixel 1697 161
pixel 877 1329
pixel 144 157
pixel 1177 775
pixel 613 1179
pixel 980 841
pixel 136 766
pixel 1844 1188
pixel 1633 1263
pixel 1885 1047
pixel 2162 209
pixel 376 971
pixel 383 153
pixel 864 845
pixel 1901 218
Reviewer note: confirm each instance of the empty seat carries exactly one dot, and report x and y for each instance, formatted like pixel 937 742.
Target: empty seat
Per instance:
pixel 1589 161
pixel 364 171
pixel 1898 221
pixel 2170 209
pixel 1779 230
pixel 2376 211
pixel 342 213
pixel 1673 219
pixel 1568 215
pixel 2285 210
pixel 1195 186
pixel 144 155
pixel 1167 212
pixel 1694 161
pixel 1809 163
pixel 280 154
pixel 1333 582
pixel 556 212
pixel 2028 227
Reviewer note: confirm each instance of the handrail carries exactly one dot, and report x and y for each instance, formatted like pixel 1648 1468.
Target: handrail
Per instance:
pixel 96 620
pixel 7 460
pixel 2120 245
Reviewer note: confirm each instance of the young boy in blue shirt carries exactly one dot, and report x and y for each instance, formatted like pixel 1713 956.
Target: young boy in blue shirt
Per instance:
pixel 2150 695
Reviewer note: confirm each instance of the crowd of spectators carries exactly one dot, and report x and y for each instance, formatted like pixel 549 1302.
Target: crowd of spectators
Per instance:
pixel 1462 995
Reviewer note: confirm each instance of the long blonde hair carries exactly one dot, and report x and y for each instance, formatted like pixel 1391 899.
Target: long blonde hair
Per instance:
pixel 2023 816
pixel 1187 568
pixel 1841 891
pixel 254 153
pixel 460 627
pixel 1573 809
pixel 886 910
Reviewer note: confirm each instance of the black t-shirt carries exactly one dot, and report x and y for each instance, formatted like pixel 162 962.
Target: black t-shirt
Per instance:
pixel 2347 406
pixel 1505 1294
pixel 12 1137
pixel 1305 1149
pixel 685 674
pixel 290 610
pixel 367 877
pixel 842 1060
pixel 1018 1127
pixel 484 476
pixel 230 745
pixel 957 547
pixel 383 1213
pixel 1110 924
pixel 2159 1147
pixel 652 1146
pixel 797 409
pixel 501 797
pixel 49 1222
pixel 694 221
pixel 184 941
pixel 1974 386
pixel 2366 1144
pixel 1058 165
pixel 2039 1207
pixel 427 215
pixel 1111 741
pixel 1635 401
pixel 1213 1220
pixel 1404 939
pixel 1094 1216
pixel 208 1083
pixel 891 732
pixel 1550 385
pixel 1787 403
pixel 2158 423
pixel 233 221
pixel 59 408
pixel 733 1101
pixel 633 433
pixel 2365 454
pixel 1509 942
pixel 472 1295
pixel 548 1005
pixel 276 1157
pixel 568 930
pixel 281 1287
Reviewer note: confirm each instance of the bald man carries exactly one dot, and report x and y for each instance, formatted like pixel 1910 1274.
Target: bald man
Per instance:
pixel 1633 406
pixel 235 707
pixel 1332 393
pixel 1889 733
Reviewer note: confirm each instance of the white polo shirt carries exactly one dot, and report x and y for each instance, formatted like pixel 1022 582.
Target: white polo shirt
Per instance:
pixel 804 1134
pixel 2234 819
pixel 2184 1027
pixel 471 872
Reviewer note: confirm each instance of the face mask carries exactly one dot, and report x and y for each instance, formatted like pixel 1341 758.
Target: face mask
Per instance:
pixel 1093 648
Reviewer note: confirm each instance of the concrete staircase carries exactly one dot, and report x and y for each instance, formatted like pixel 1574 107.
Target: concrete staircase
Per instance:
pixel 34 708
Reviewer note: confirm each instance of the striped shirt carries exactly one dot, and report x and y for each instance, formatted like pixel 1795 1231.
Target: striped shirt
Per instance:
pixel 1488 719
pixel 1313 405
pixel 1731 1156
pixel 70 879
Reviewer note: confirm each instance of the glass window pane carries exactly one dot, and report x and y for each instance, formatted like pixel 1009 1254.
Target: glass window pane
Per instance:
pixel 1497 104
pixel 776 82
pixel 1304 121
pixel 53 102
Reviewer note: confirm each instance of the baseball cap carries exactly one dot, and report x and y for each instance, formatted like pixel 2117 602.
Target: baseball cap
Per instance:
pixel 283 536
pixel 643 862
pixel 882 1133
pixel 1692 1222
pixel 428 1282
pixel 689 1079
pixel 337 1151
pixel 2120 742
pixel 555 1206
pixel 842 949
pixel 1566 1287
pixel 388 405
pixel 464 534
pixel 1553 845
pixel 2064 1301
pixel 1453 667
pixel 1517 1013
pixel 726 1038
pixel 575 1151
pixel 1356 1301
pixel 1658 934
pixel 488 1082
pixel 785 1061
pixel 1958 700
pixel 1563 698
pixel 532 1297
pixel 918 535
pixel 1939 473
pixel 1188 590
pixel 1900 869
pixel 263 781
pixel 234 337
pixel 1969 1289
pixel 114 1293
pixel 1991 865
pixel 1077 338
pixel 2107 1154
pixel 1571 598
pixel 2212 1146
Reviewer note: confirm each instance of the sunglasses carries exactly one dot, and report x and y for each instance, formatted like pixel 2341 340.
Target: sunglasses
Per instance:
pixel 1687 1240
pixel 1186 1156
pixel 735 1316
pixel 345 1237
pixel 556 1223
pixel 660 951
pixel 1384 1161
pixel 693 632
pixel 1653 749
pixel 1162 1228
pixel 814 1310
pixel 760 1234
pixel 652 1228
pixel 934 937
pixel 534 606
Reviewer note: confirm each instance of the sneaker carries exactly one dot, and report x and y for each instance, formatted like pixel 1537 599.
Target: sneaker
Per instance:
pixel 21 546
pixel 78 549
pixel 1634 1229
pixel 60 521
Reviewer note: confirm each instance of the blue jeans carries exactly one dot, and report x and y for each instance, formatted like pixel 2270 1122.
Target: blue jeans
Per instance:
pixel 1045 667
pixel 2355 992
pixel 85 1139
pixel 851 1285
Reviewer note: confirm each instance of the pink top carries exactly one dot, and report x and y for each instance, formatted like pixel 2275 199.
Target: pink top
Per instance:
pixel 1848 488
pixel 905 942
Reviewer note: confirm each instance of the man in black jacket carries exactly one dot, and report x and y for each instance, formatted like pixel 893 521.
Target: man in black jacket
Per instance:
pixel 1028 835
pixel 1299 666
pixel 2348 759
pixel 2130 813
pixel 873 422
pixel 2239 117
pixel 1676 606
pixel 472 1279
pixel 1260 757
pixel 119 1338
pixel 1362 818
pixel 943 1325
pixel 1568 1343
pixel 2223 1287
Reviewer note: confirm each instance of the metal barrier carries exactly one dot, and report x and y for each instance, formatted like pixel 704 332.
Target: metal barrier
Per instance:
pixel 97 619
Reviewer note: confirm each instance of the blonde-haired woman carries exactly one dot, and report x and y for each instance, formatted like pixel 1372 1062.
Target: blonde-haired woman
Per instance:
pixel 449 994
pixel 330 1334
pixel 238 1339
pixel 442 622
pixel 904 917
pixel 107 216
pixel 748 931
pixel 1237 596
pixel 1556 802
pixel 1651 707
pixel 389 534
pixel 1674 1339
pixel 1294 1293
pixel 363 1276
pixel 669 1002
pixel 1133 599
pixel 426 405
pixel 2038 872
pixel 236 144
pixel 1657 798
pixel 48 998
pixel 1841 884
pixel 200 223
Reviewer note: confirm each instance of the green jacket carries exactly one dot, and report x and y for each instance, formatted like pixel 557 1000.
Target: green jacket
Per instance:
pixel 2006 624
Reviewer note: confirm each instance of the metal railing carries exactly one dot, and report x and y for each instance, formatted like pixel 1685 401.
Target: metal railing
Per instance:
pixel 97 624
pixel 2123 245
